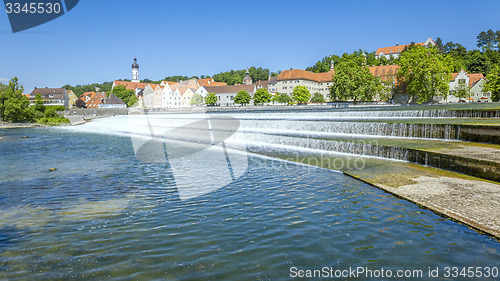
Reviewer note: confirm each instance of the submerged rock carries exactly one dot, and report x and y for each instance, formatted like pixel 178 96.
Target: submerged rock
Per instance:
pixel 52 169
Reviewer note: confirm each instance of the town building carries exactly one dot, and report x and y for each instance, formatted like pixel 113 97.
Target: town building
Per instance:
pixel 209 82
pixel 272 85
pixel 154 95
pixel 247 80
pixel 137 87
pixel 476 92
pixel 187 96
pixel 474 83
pixel 72 98
pixel 387 73
pixel 262 85
pixel 225 94
pixel 185 90
pixel 93 99
pixel 202 91
pixel 395 51
pixel 50 96
pixel 112 101
pixel 315 82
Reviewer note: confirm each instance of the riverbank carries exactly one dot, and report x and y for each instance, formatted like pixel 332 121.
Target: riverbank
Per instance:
pixel 4 125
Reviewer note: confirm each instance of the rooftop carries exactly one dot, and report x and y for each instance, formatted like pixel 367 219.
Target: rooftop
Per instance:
pixel 294 74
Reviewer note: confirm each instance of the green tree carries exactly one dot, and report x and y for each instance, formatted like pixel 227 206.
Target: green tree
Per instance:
pixel 80 103
pixel 388 90
pixel 301 94
pixel 127 96
pixel 282 98
pixel 492 84
pixel 242 97
pixel 354 81
pixel 462 91
pixel 262 96
pixel 233 77
pixel 196 100
pixel 12 102
pixel 17 109
pixel 318 98
pixel 39 106
pixel 176 78
pixel 487 40
pixel 211 99
pixel 425 72
pixel 477 62
pixel 80 89
pixel 50 116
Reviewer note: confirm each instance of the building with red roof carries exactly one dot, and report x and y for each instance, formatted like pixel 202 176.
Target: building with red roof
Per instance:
pixel 395 51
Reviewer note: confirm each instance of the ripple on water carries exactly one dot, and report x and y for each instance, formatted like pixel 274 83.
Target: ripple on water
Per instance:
pixel 129 223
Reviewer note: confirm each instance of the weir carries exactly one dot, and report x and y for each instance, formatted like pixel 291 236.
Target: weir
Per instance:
pixel 445 139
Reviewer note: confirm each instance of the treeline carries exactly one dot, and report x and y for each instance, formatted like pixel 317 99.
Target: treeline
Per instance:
pixel 479 60
pixel 231 77
pixel 234 77
pixel 80 89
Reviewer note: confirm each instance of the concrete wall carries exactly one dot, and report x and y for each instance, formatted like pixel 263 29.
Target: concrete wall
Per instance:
pixel 81 115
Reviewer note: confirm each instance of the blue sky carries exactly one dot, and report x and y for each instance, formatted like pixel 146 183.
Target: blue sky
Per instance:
pixel 98 39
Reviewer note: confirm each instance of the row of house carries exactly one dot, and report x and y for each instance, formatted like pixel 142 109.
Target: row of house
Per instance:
pixel 179 94
pixel 167 94
pixel 67 98
pixel 474 82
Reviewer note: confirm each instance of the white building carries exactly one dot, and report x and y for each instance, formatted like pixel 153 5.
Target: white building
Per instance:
pixel 314 82
pixel 272 86
pixel 147 96
pixel 202 91
pixel 225 94
pixel 50 96
pixel 395 51
pixel 474 84
pixel 477 92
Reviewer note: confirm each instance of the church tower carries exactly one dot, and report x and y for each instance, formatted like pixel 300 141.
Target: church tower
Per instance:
pixel 135 71
pixel 247 80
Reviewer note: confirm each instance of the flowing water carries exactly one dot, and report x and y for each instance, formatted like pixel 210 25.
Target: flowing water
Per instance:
pixel 107 213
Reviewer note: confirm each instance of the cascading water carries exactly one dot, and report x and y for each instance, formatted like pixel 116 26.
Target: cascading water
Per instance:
pixel 354 132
